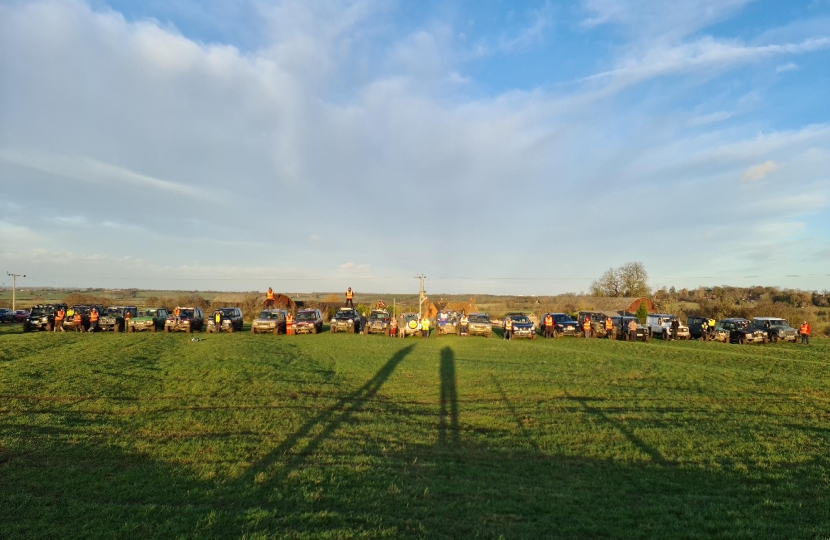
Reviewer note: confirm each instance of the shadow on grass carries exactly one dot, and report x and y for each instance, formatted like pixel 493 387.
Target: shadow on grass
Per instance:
pixel 304 489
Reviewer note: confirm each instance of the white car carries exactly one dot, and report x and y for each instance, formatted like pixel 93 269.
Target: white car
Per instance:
pixel 659 326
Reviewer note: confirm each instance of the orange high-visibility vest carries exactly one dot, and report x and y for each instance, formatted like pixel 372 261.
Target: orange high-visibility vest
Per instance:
pixel 93 317
pixel 608 324
pixel 270 294
pixel 349 295
pixel 586 324
pixel 805 329
pixel 289 320
pixel 176 312
pixel 59 315
pixel 78 319
pixel 508 325
pixel 548 320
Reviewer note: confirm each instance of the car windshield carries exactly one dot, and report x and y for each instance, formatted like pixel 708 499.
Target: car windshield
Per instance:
pixel 629 319
pixel 306 316
pixel 83 310
pixel 186 313
pixel 147 312
pixel 115 311
pixel 226 312
pixel 380 315
pixel 39 311
pixel 345 314
pixel 479 319
pixel 562 318
pixel 269 315
pixel 410 317
pixel 742 324
pixel 776 322
pixel 521 319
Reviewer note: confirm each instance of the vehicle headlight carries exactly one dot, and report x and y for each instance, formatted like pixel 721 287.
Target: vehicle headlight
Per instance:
pixel 273 325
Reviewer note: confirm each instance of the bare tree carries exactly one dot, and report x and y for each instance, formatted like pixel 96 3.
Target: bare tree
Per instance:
pixel 608 284
pixel 630 279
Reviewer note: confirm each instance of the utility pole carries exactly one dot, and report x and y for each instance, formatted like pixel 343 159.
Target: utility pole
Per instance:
pixel 14 286
pixel 421 295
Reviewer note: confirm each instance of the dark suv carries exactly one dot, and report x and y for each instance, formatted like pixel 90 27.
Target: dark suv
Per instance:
pixel 69 321
pixel 522 326
pixel 776 329
pixel 231 320
pixel 42 317
pixel 742 332
pixel 308 321
pixel 189 320
pixel 346 320
pixel 563 324
pixel 597 323
pixel 378 322
pixel 113 318
pixel 620 330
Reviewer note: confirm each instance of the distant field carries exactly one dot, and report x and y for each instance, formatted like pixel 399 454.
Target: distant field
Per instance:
pixel 342 436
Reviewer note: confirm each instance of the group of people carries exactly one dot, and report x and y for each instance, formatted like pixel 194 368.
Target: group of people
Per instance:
pixel 77 320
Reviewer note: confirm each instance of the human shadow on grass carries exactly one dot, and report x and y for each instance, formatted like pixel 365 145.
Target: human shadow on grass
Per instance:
pixel 454 489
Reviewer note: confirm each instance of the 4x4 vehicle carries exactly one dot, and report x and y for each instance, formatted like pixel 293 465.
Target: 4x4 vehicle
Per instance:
pixel 563 324
pixel 695 325
pixel 480 325
pixel 190 319
pixel 522 326
pixel 42 317
pixel 597 323
pixel 308 321
pixel 742 332
pixel 378 322
pixel 776 329
pixel 231 318
pixel 150 319
pixel 113 318
pixel 409 324
pixel 659 325
pixel 6 315
pixel 446 322
pixel 69 321
pixel 621 328
pixel 346 320
pixel 270 320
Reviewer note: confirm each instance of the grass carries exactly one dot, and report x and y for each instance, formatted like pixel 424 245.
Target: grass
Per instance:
pixel 341 436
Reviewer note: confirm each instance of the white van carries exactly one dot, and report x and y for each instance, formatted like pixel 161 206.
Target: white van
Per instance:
pixel 659 326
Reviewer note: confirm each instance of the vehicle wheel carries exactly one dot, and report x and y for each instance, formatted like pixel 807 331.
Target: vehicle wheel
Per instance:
pixel 276 331
pixel 774 338
pixel 333 330
pixel 489 334
pixel 48 327
pixel 231 330
pixel 665 335
pixel 131 329
pixel 116 328
pixel 645 337
pixel 314 329
pixel 742 340
pixel 765 340
pixel 166 329
pixel 189 329
pixel 252 330
pixel 153 329
pixel 26 327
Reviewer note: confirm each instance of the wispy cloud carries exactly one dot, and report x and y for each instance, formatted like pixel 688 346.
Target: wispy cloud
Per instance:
pixel 542 22
pixel 789 66
pixel 758 172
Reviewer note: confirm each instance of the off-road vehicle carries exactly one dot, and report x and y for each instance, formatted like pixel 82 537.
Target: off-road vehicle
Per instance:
pixel 621 328
pixel 446 322
pixel 6 315
pixel 597 323
pixel 149 319
pixel 480 325
pixel 522 326
pixel 42 317
pixel 378 322
pixel 189 319
pixel 84 310
pixel 695 325
pixel 308 321
pixel 231 318
pixel 113 318
pixel 346 320
pixel 742 332
pixel 409 324
pixel 719 333
pixel 271 321
pixel 776 329
pixel 659 326
pixel 563 325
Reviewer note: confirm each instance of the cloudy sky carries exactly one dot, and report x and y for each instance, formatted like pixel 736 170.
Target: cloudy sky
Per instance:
pixel 503 147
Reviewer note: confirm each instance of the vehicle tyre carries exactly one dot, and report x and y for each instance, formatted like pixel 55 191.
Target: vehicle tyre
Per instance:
pixel 665 335
pixel 166 329
pixel 774 338
pixel 742 340
pixel 153 329
pixel 645 337
pixel 625 336
pixel 131 329
pixel 333 330
pixel 555 334
pixel 49 327
pixel 314 329
pixel 26 327
pixel 231 330
pixel 189 329
pixel 764 340
pixel 116 328
pixel 276 331
pixel 489 334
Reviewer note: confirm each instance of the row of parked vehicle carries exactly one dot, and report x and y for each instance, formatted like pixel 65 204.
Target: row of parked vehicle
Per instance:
pixel 379 321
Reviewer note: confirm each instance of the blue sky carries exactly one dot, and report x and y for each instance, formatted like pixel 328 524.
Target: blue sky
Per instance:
pixel 313 145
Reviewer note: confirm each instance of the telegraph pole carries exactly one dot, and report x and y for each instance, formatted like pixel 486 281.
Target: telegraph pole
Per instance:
pixel 422 295
pixel 14 286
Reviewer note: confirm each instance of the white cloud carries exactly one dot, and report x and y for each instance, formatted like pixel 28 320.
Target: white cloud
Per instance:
pixel 711 118
pixel 789 66
pixel 533 34
pixel 758 172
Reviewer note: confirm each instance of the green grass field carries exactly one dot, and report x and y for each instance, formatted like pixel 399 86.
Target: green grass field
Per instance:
pixel 342 436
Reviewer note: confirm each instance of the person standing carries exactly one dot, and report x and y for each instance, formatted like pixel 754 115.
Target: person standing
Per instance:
pixel 586 326
pixel 704 330
pixel 79 322
pixel 632 330
pixel 393 327
pixel 508 328
pixel 609 328
pixel 675 325
pixel 289 324
pixel 93 320
pixel 548 326
pixel 805 333
pixel 269 298
pixel 464 324
pixel 59 320
pixel 217 321
pixel 350 298
pixel 425 326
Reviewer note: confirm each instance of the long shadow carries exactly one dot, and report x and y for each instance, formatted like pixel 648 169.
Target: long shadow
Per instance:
pixel 655 454
pixel 515 414
pixel 330 420
pixel 449 399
